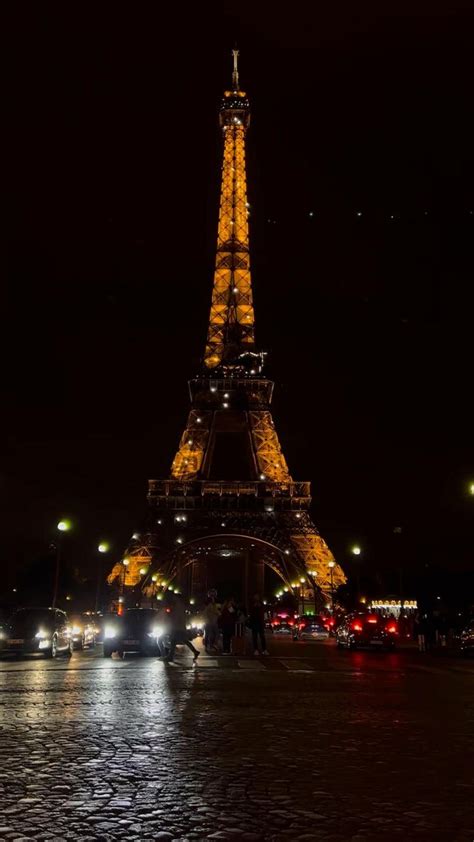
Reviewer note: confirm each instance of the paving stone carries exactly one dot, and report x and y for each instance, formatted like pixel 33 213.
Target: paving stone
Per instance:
pixel 137 753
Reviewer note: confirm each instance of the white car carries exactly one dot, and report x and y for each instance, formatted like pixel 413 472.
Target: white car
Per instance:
pixel 285 628
pixel 312 630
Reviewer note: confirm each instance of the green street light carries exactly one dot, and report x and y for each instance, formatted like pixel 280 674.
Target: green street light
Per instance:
pixel 471 488
pixel 64 525
pixel 104 547
pixel 356 550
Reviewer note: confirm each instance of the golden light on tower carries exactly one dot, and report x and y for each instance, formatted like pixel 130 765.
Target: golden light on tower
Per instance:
pixel 232 318
pixel 230 414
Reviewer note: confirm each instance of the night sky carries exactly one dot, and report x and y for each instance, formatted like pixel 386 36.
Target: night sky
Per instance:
pixel 112 177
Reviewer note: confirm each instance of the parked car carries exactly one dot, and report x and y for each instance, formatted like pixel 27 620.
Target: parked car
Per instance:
pixel 467 639
pixel 83 632
pixel 39 630
pixel 312 628
pixel 365 630
pixel 137 630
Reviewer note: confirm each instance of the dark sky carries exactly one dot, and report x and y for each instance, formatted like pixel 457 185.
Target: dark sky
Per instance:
pixel 111 171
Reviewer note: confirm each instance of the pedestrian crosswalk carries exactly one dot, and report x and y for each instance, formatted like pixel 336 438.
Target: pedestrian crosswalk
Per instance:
pixel 323 663
pixel 316 666
pixel 250 664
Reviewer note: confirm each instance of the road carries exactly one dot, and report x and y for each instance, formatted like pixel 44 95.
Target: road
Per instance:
pixel 308 744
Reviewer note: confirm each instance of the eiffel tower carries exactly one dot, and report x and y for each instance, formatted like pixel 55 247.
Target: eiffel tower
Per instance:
pixel 230 508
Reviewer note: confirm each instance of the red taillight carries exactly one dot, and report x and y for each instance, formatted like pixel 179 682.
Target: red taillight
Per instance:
pixel 392 628
pixel 291 623
pixel 331 622
pixel 371 619
pixel 356 627
pixel 276 623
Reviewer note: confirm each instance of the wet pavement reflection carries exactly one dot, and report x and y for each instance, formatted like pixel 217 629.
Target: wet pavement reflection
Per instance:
pixel 315 744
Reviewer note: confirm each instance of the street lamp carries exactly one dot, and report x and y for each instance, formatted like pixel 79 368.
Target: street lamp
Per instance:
pixel 62 526
pixel 103 547
pixel 313 574
pixel 471 488
pixel 302 584
pixel 331 565
pixel 356 550
pixel 125 563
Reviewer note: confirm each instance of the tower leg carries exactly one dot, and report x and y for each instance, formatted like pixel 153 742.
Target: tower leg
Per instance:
pixel 246 581
pixel 198 579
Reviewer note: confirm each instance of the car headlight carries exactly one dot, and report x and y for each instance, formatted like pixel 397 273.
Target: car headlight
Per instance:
pixel 41 634
pixel 76 630
pixel 156 631
pixel 2 635
pixel 110 632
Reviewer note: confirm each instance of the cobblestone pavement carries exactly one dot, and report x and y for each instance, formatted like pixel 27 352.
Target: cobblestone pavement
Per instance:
pixel 309 744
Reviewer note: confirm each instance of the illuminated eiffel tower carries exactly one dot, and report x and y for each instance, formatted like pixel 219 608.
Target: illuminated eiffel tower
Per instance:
pixel 230 507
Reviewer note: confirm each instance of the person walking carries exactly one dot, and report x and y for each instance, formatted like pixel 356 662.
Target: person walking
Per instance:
pixel 257 625
pixel 210 616
pixel 227 621
pixel 179 633
pixel 164 623
pixel 423 631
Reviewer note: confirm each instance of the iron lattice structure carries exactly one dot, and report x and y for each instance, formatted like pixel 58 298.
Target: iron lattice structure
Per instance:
pixel 259 508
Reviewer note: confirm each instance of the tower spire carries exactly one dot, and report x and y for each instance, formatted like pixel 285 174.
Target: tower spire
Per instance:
pixel 235 73
pixel 231 322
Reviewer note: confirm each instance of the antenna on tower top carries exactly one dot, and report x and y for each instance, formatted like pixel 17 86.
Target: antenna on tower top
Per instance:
pixel 235 72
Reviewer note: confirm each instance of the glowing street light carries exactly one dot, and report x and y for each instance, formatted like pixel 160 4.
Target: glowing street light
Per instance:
pixel 102 548
pixel 356 550
pixel 331 565
pixel 125 563
pixel 471 488
pixel 62 526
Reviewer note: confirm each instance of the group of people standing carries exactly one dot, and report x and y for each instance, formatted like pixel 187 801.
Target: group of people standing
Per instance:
pixel 228 620
pixel 231 621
